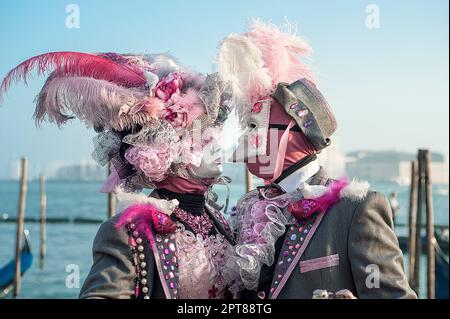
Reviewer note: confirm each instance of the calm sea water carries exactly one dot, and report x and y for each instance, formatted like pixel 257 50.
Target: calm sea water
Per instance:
pixel 69 245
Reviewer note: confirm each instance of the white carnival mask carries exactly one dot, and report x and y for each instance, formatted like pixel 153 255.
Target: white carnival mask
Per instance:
pixel 253 141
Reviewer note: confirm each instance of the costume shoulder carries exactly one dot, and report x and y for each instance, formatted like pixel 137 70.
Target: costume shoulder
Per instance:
pixel 376 259
pixel 366 205
pixel 109 237
pixel 350 198
pixel 112 273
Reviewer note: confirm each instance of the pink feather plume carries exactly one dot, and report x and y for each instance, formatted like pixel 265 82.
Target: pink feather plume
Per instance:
pixel 282 52
pixel 332 196
pixel 145 217
pixel 76 64
pixel 98 103
pixel 128 60
pixel 304 208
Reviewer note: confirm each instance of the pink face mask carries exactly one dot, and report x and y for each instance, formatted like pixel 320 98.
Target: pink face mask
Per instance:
pixel 284 147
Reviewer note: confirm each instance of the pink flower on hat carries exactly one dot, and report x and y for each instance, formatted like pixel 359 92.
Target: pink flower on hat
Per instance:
pixel 183 108
pixel 168 86
pixel 177 115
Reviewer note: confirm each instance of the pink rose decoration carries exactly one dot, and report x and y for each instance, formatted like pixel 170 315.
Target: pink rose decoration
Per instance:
pixel 183 108
pixel 153 162
pixel 177 116
pixel 168 86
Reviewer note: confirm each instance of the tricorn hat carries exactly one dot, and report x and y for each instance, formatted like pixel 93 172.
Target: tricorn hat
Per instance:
pixel 310 110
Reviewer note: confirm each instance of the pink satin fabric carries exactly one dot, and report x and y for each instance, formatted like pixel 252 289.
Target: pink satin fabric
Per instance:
pixel 183 186
pixel 298 146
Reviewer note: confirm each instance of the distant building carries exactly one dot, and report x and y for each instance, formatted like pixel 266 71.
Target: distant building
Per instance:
pixel 392 166
pixel 438 170
pixel 82 172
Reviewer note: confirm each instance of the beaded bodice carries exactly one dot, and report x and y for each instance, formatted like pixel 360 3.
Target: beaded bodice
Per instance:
pixel 190 265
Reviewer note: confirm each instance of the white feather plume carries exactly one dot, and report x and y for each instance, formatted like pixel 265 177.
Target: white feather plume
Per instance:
pixel 241 64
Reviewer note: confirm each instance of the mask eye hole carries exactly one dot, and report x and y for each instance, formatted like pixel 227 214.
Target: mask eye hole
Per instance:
pixel 252 125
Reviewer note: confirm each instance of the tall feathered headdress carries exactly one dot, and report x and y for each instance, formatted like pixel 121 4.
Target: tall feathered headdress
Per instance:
pixel 141 105
pixel 97 88
pixel 256 61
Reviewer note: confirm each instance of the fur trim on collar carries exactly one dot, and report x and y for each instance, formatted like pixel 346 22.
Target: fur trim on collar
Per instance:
pixel 126 199
pixel 356 190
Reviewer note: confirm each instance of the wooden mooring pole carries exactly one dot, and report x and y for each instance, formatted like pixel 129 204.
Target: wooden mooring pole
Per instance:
pixel 111 205
pixel 43 220
pixel 20 220
pixel 430 227
pixel 412 222
pixel 418 234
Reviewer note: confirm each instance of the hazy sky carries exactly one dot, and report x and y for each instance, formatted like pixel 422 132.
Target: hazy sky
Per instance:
pixel 388 86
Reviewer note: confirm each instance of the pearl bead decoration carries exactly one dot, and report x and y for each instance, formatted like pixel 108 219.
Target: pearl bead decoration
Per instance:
pixel 138 258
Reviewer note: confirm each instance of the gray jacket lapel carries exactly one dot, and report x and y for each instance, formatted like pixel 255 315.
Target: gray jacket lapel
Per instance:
pixel 296 241
pixel 165 252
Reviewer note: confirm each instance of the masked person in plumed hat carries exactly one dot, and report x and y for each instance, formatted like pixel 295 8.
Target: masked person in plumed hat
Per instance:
pixel 159 126
pixel 302 234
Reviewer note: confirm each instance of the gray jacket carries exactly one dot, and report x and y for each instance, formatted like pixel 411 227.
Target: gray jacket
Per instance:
pixel 352 246
pixel 113 273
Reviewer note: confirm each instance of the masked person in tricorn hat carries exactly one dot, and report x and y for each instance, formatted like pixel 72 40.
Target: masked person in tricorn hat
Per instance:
pixel 301 233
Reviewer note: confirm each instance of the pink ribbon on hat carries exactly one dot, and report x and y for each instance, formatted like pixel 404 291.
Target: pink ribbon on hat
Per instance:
pixel 282 151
